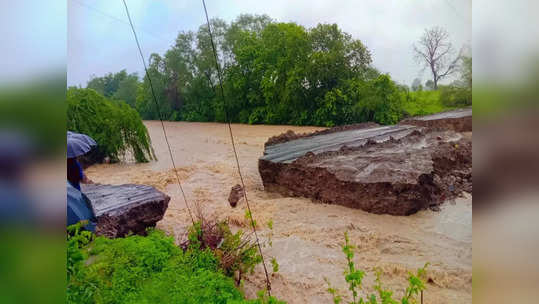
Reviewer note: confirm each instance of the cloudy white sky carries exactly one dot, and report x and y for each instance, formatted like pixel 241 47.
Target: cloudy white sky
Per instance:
pixel 100 40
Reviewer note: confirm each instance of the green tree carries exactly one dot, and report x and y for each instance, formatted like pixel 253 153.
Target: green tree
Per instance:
pixel 127 89
pixel 116 127
pixel 273 73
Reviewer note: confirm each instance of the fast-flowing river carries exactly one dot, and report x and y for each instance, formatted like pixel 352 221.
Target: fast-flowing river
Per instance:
pixel 307 237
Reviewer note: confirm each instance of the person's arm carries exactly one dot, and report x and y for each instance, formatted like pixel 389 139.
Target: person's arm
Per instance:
pixel 83 178
pixel 86 180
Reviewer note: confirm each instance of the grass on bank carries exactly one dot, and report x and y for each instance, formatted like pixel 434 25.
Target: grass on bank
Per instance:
pixel 423 103
pixel 147 269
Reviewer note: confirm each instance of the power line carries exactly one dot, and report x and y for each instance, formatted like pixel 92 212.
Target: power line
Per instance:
pixel 158 111
pixel 227 117
pixel 104 14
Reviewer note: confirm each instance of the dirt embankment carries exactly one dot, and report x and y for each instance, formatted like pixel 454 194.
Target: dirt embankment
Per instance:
pixel 456 120
pixel 291 135
pixel 307 237
pixel 398 176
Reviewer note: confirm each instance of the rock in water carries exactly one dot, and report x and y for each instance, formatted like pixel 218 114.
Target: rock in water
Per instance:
pixel 123 209
pixel 397 170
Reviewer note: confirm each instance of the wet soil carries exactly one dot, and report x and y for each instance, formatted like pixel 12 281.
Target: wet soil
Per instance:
pixel 291 135
pixel 400 176
pixel 457 120
pixel 307 237
pixel 126 208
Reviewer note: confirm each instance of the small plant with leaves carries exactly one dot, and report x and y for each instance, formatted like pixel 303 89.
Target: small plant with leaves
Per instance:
pixel 354 277
pixel 274 264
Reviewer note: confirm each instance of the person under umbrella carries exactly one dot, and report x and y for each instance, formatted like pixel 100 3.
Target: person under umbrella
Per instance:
pixel 78 205
pixel 77 145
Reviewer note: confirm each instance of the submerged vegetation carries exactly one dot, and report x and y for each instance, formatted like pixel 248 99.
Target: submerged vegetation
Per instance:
pixel 354 278
pixel 273 73
pixel 116 127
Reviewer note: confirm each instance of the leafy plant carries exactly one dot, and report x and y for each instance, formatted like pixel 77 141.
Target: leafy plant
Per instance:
pixel 116 127
pixel 453 96
pixel 354 277
pixel 150 269
pixel 236 253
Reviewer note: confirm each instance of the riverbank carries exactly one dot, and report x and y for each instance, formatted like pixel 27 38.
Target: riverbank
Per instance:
pixel 307 237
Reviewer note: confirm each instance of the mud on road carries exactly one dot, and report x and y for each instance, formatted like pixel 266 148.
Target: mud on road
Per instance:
pixel 307 236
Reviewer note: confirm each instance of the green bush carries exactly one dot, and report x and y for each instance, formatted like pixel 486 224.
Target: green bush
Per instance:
pixel 150 269
pixel 422 103
pixel 116 127
pixel 452 96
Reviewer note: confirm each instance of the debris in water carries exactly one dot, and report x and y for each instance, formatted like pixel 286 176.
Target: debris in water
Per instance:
pixel 236 194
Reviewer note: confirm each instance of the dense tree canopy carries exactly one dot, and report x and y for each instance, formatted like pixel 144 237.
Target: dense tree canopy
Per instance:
pixel 273 73
pixel 276 73
pixel 119 86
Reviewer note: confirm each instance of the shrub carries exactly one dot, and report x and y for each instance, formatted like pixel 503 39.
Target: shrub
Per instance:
pixel 354 278
pixel 236 253
pixel 149 269
pixel 453 96
pixel 116 127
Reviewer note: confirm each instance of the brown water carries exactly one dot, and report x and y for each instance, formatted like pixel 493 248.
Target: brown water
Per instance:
pixel 307 236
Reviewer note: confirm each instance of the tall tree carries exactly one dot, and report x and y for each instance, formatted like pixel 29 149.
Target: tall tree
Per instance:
pixel 435 51
pixel 127 89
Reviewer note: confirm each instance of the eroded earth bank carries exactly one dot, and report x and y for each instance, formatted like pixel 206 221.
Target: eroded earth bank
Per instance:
pixel 307 236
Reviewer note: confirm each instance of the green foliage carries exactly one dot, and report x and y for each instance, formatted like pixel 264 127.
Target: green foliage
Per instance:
pixel 118 86
pixel 422 103
pixel 149 269
pixel 273 73
pixel 236 253
pixel 116 127
pixel 354 277
pixel 453 96
pixel 274 265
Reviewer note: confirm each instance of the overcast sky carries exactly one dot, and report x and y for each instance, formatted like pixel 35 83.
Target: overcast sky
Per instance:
pixel 100 40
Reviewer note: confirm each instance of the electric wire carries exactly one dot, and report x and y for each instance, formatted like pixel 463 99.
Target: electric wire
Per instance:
pixel 158 112
pixel 227 117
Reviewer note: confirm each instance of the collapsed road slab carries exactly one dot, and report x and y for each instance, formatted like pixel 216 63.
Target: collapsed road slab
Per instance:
pixel 395 170
pixel 123 209
pixel 457 120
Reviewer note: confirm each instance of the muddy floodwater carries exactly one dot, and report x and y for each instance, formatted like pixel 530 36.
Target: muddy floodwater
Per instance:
pixel 307 236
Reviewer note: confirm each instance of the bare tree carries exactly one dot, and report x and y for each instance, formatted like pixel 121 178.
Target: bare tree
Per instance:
pixel 434 50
